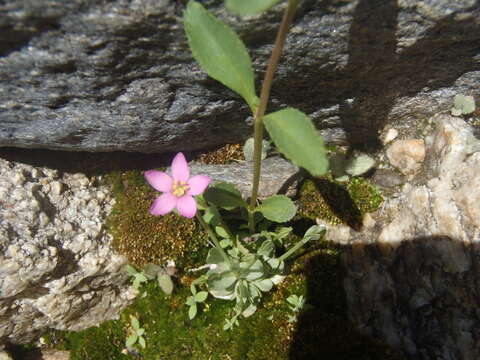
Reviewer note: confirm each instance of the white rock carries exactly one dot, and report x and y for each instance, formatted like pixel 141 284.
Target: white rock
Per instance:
pixel 407 155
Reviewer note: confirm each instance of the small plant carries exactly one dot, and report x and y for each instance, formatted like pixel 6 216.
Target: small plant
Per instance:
pixel 138 276
pixel 463 105
pixel 297 303
pixel 163 276
pixel 136 334
pixel 245 259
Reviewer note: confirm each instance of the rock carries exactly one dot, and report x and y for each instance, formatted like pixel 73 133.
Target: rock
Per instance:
pixel 57 266
pixel 388 136
pixel 387 178
pixel 411 274
pixel 4 355
pixel 55 355
pixel 117 75
pixel 407 155
pixel 277 176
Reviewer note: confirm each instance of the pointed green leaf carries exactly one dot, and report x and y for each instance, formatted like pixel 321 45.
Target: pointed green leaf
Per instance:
pixel 190 301
pixel 141 341
pixel 166 284
pixel 201 296
pixel 249 7
pixel 135 323
pixel 295 136
pixel 192 311
pixel 224 195
pixel 278 208
pixel 221 232
pixel 132 339
pixel 219 51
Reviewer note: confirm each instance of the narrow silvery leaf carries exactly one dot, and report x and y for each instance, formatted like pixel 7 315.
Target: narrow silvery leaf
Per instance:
pixel 295 136
pixel 219 51
pixel 249 7
pixel 278 208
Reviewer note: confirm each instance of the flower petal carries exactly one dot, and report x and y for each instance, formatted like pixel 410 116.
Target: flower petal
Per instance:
pixel 187 206
pixel 198 184
pixel 159 180
pixel 163 204
pixel 180 169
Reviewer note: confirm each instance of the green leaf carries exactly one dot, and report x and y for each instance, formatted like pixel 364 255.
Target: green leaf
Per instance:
pixel 266 249
pixel 135 323
pixel 295 136
pixel 130 270
pixel 221 281
pixel 264 284
pixel 215 256
pixel 201 296
pixel 141 341
pixel 166 284
pixel 249 7
pixel 221 232
pixel 220 52
pixel 314 232
pixel 192 311
pixel 466 104
pixel 278 208
pixel 132 339
pixel 151 270
pixel 190 301
pixel 225 195
pixel 140 332
pixel 141 277
pixel 225 243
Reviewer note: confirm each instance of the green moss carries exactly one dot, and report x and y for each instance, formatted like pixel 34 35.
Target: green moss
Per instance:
pixel 338 203
pixel 145 238
pixel 321 331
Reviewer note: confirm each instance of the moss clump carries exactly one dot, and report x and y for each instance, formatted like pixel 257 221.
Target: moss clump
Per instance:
pixel 323 330
pixel 145 238
pixel 338 203
pixel 223 155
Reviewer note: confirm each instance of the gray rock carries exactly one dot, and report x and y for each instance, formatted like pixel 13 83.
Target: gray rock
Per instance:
pixel 277 176
pixel 117 75
pixel 57 266
pixel 411 274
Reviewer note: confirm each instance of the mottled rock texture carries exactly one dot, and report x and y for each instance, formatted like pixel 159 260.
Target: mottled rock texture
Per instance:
pixel 118 75
pixel 412 273
pixel 57 266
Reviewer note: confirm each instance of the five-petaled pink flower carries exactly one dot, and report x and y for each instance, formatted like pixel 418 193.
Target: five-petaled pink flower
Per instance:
pixel 178 189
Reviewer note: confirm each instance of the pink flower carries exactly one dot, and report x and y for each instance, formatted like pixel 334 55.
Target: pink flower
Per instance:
pixel 178 189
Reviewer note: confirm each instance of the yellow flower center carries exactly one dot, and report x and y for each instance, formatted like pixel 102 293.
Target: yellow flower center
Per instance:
pixel 179 188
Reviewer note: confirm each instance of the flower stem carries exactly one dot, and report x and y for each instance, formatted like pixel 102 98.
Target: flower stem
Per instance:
pixel 294 248
pixel 213 236
pixel 264 95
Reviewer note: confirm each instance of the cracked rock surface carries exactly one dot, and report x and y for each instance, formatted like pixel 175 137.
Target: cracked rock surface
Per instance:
pixel 57 267
pixel 117 75
pixel 412 273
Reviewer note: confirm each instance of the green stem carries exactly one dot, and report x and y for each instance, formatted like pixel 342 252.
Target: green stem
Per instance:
pixel 213 237
pixel 294 248
pixel 264 95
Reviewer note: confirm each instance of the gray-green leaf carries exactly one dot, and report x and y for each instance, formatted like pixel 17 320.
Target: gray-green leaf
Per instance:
pixel 295 136
pixel 201 296
pixel 224 195
pixel 192 311
pixel 132 339
pixel 278 208
pixel 463 105
pixel 248 149
pixel 135 323
pixel 166 284
pixel 219 51
pixel 249 7
pixel 141 341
